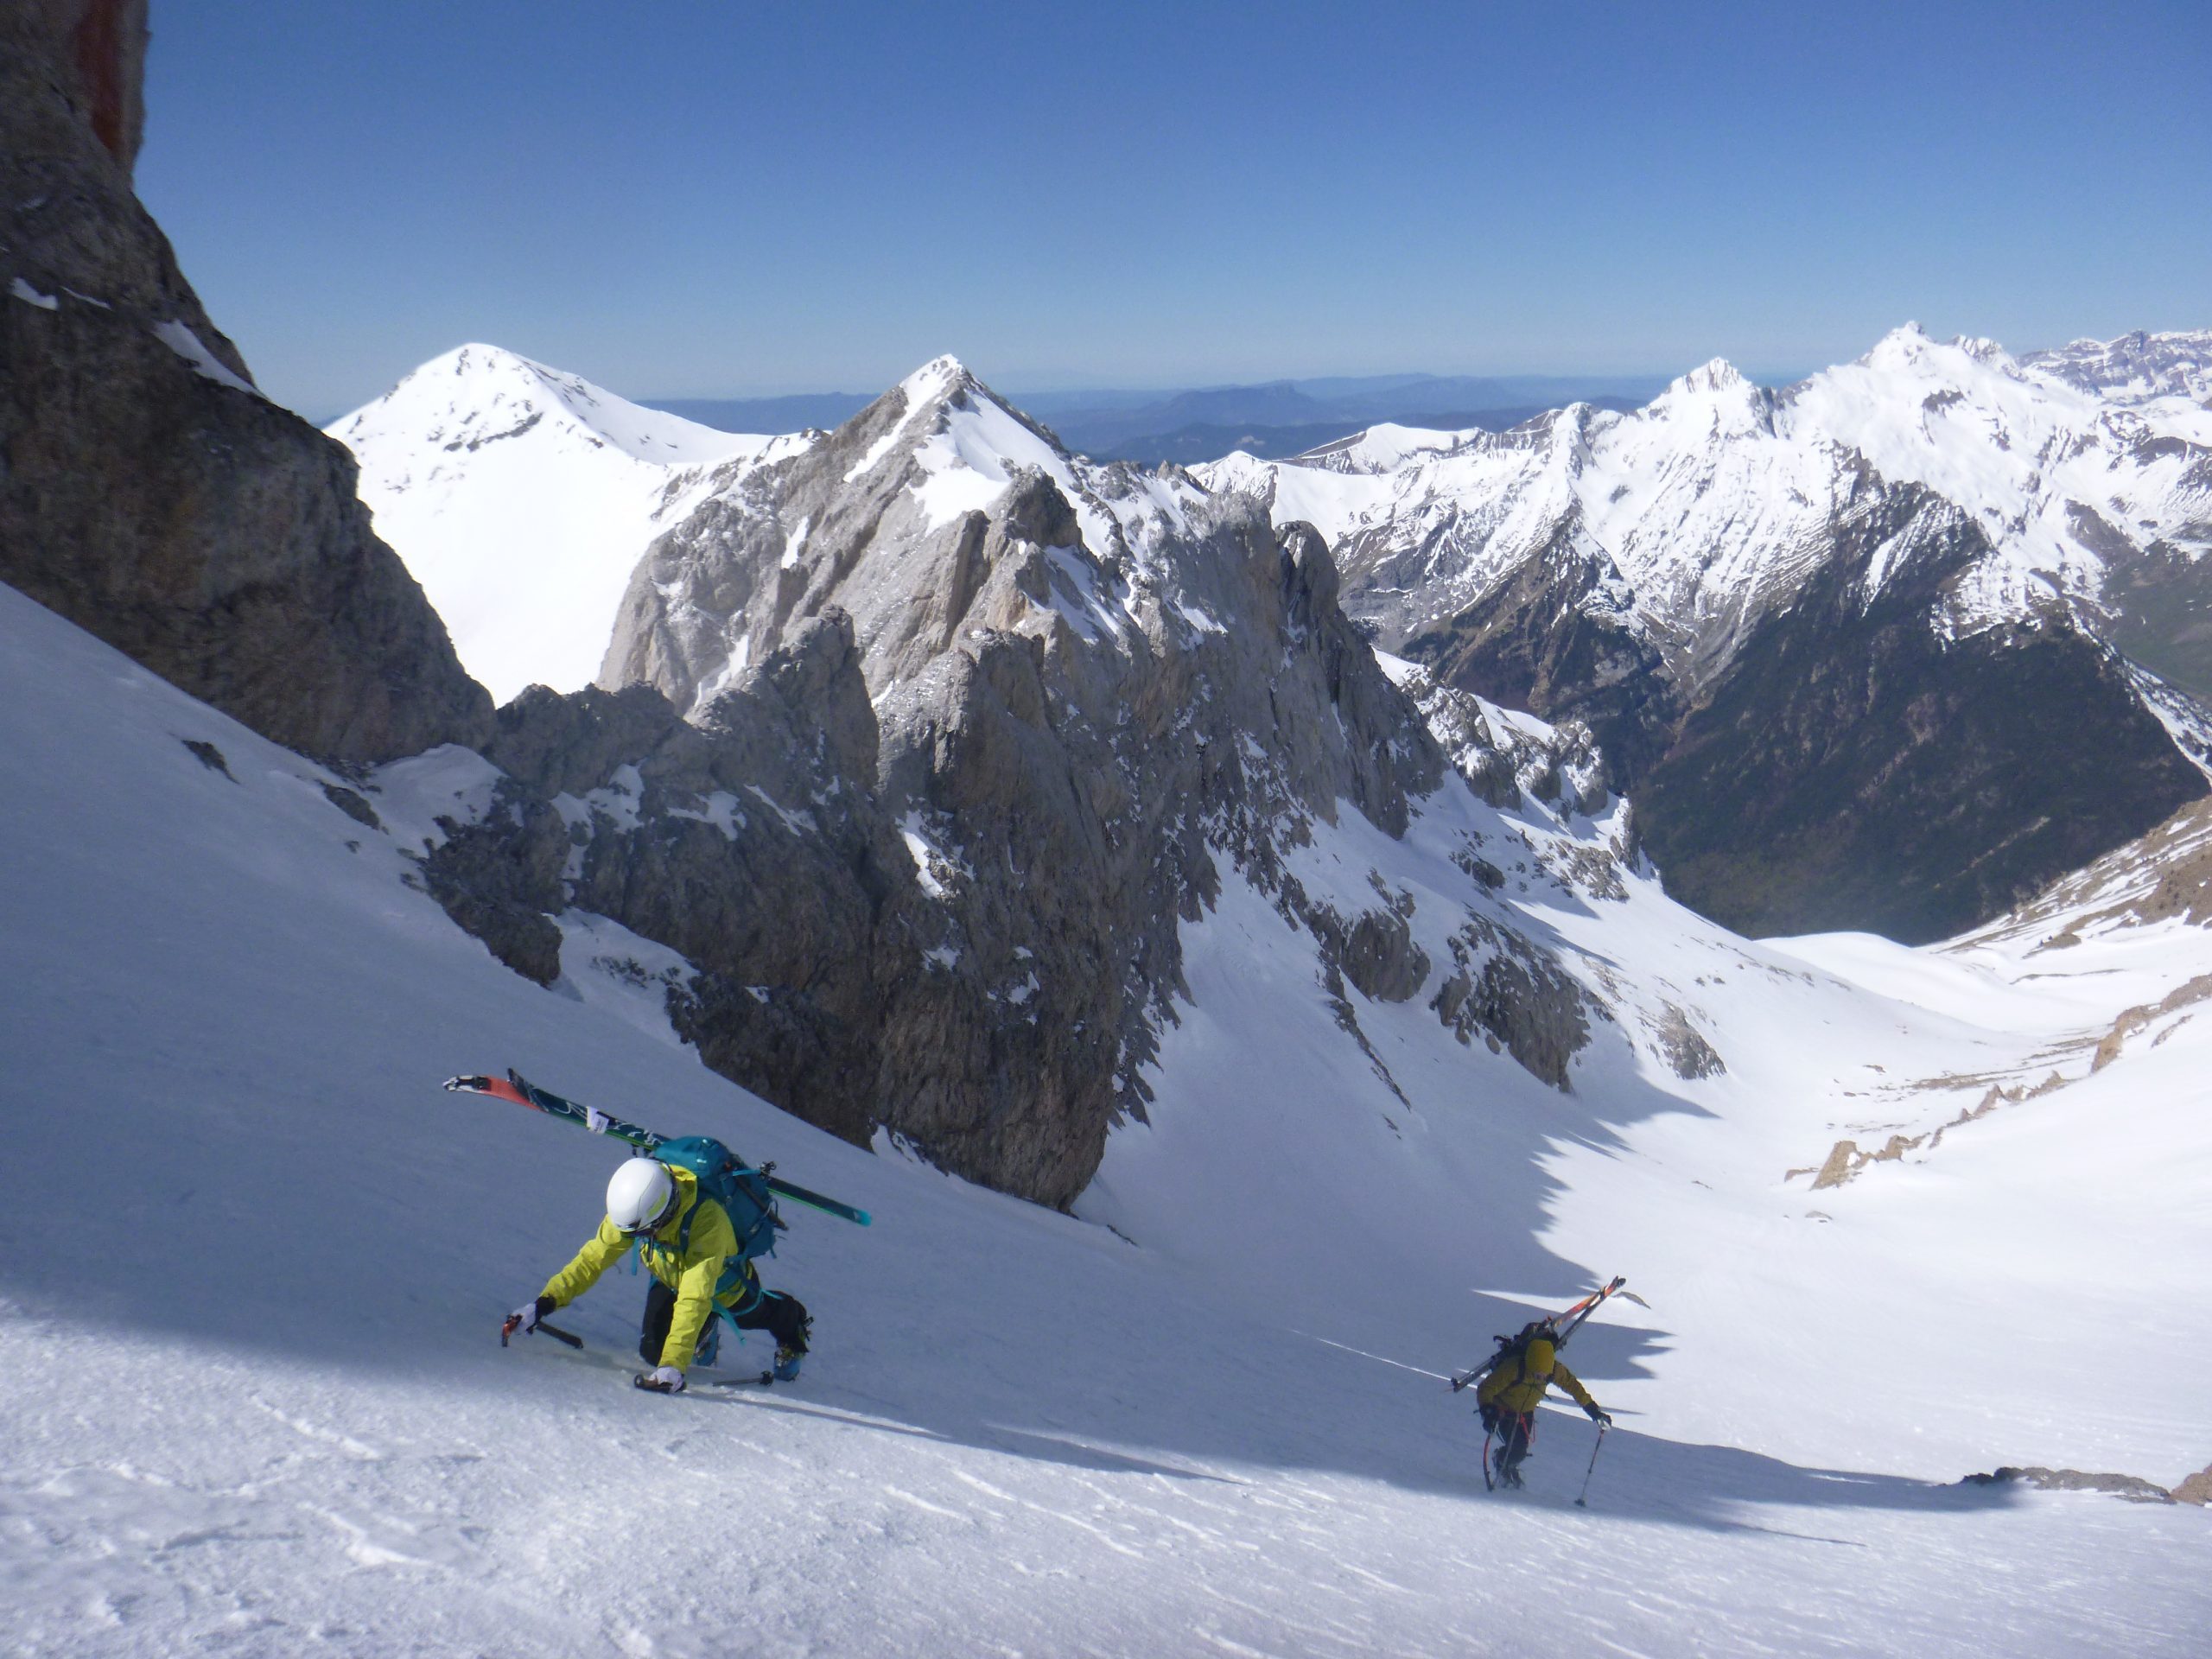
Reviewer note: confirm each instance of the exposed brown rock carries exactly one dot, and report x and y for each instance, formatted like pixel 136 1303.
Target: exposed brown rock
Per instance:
pixel 1687 1051
pixel 1843 1163
pixel 2137 1019
pixel 2133 1488
pixel 1503 986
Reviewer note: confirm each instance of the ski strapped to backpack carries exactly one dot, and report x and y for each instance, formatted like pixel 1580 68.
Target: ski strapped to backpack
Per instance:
pixel 749 1194
pixel 1567 1321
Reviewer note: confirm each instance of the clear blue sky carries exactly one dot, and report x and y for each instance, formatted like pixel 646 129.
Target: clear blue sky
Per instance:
pixel 717 197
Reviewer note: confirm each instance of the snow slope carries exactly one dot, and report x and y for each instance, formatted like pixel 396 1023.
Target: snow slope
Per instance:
pixel 1986 1262
pixel 251 1261
pixel 520 497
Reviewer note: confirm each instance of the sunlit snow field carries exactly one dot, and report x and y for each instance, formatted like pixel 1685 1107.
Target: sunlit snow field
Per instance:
pixel 252 1263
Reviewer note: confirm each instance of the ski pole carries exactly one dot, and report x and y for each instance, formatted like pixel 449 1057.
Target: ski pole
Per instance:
pixel 1580 1502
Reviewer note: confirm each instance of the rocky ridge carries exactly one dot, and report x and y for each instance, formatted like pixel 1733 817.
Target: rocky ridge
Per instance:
pixel 2136 368
pixel 150 492
pixel 921 744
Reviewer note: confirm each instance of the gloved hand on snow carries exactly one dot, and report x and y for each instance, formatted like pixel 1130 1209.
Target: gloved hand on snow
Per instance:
pixel 526 1319
pixel 662 1379
pixel 1603 1418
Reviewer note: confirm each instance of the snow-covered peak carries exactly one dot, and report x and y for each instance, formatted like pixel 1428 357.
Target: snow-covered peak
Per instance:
pixel 942 380
pixel 1718 374
pixel 1382 447
pixel 521 497
pixel 1909 350
pixel 477 394
pixel 1711 401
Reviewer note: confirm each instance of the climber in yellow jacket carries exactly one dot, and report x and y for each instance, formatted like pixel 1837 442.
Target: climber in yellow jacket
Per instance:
pixel 1508 1397
pixel 687 1243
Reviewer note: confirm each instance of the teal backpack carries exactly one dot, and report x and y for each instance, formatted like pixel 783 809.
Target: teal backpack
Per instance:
pixel 740 1190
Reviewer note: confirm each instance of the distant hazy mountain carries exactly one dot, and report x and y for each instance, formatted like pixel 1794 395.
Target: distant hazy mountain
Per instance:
pixel 820 410
pixel 1190 424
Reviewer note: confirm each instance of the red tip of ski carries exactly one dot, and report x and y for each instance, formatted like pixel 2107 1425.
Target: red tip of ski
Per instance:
pixel 498 1088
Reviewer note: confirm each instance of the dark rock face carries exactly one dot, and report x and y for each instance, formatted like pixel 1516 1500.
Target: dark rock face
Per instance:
pixel 751 842
pixel 1839 760
pixel 2160 606
pixel 1850 768
pixel 1513 994
pixel 149 494
pixel 1558 639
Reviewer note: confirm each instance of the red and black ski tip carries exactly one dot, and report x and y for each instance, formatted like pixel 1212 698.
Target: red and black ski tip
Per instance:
pixel 518 1090
pixel 1570 1320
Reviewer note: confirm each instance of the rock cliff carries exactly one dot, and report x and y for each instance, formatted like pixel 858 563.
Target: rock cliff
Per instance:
pixel 148 492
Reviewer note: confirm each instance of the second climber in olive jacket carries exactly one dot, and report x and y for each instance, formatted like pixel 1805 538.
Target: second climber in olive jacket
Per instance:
pixel 1508 1397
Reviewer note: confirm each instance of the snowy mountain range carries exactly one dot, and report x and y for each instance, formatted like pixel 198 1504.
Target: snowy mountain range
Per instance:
pixel 1743 593
pixel 1687 577
pixel 1712 500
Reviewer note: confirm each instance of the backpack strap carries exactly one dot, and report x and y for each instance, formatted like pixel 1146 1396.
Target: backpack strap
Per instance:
pixel 683 1228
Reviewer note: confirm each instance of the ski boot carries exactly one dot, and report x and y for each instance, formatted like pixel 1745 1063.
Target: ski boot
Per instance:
pixel 711 1342
pixel 787 1364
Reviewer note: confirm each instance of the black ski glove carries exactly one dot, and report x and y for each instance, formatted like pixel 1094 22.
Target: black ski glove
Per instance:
pixel 1599 1415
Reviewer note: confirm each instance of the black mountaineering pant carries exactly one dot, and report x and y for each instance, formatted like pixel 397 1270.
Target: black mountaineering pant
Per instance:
pixel 782 1317
pixel 1514 1429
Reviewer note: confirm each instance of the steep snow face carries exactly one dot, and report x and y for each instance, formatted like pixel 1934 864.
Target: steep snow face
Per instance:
pixel 284 1423
pixel 1717 499
pixel 521 497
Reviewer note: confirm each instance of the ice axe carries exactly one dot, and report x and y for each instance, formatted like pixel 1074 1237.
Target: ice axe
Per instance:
pixel 509 1325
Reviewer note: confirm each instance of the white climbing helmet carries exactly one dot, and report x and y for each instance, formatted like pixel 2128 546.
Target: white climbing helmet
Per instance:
pixel 641 1195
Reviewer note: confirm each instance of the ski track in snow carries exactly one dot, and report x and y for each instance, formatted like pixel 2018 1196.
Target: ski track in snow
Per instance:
pixel 252 1263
